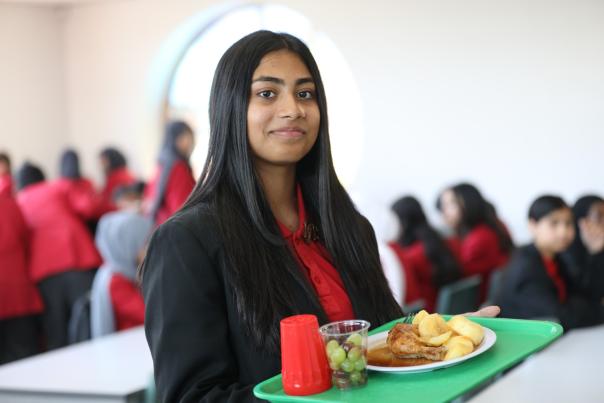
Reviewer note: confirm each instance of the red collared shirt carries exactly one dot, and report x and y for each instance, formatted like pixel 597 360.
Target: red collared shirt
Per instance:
pixel 316 262
pixel 553 272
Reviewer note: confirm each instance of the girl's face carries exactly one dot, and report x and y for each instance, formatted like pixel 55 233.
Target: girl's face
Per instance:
pixel 105 164
pixel 185 143
pixel 554 232
pixel 596 214
pixel 450 209
pixel 283 116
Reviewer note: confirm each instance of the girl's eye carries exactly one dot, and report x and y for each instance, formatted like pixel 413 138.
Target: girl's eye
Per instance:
pixel 266 94
pixel 305 94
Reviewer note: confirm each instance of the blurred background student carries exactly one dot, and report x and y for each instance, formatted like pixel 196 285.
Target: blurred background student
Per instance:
pixel 536 283
pixel 6 179
pixel 79 191
pixel 428 260
pixel 116 174
pixel 173 180
pixel 586 253
pixel 484 241
pixel 62 255
pixel 116 300
pixel 20 302
pixel 129 197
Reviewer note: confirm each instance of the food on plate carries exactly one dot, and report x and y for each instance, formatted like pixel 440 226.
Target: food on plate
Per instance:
pixel 427 339
pixel 458 346
pixel 437 340
pixel 465 327
pixel 404 342
pixel 432 326
pixel 419 317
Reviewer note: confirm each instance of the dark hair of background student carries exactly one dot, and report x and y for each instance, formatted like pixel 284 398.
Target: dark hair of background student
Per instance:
pixel 69 166
pixel 476 210
pixel 415 227
pixel 544 206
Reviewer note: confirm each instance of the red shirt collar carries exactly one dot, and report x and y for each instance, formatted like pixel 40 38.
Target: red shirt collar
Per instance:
pixel 299 232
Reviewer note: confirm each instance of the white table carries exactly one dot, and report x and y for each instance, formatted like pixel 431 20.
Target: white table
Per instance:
pixel 570 370
pixel 116 368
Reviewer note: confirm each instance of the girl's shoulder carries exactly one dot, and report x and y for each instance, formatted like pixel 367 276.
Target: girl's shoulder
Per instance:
pixel 199 222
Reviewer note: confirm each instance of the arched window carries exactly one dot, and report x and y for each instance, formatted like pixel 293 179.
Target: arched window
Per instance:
pixel 189 89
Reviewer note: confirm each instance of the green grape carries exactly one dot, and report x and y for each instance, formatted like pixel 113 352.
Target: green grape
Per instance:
pixel 360 364
pixel 355 377
pixel 355 339
pixel 338 355
pixel 334 366
pixel 354 354
pixel 347 366
pixel 331 346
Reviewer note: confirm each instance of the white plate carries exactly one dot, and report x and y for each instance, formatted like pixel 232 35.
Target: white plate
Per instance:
pixel 379 339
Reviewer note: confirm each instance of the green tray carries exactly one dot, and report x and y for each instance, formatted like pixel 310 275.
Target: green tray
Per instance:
pixel 516 339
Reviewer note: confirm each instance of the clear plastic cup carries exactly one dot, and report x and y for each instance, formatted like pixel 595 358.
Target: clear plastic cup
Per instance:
pixel 346 348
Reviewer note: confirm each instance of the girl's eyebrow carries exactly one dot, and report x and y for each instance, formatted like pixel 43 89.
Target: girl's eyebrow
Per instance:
pixel 281 81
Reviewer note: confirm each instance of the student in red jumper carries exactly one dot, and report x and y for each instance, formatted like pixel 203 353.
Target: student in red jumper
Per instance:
pixel 429 261
pixel 536 283
pixel 484 242
pixel 116 301
pixel 80 191
pixel 117 175
pixel 173 180
pixel 62 254
pixel 6 179
pixel 20 302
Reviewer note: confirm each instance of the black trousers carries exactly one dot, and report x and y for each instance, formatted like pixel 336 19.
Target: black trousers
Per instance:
pixel 19 337
pixel 59 292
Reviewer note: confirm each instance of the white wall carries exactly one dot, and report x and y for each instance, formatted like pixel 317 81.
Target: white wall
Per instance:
pixel 506 94
pixel 33 115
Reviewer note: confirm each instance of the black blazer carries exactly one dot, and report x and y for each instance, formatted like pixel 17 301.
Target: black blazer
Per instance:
pixel 191 322
pixel 528 292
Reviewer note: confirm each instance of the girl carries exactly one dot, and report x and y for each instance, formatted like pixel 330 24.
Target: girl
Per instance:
pixel 173 181
pixel 425 256
pixel 61 251
pixel 20 302
pixel 536 281
pixel 116 302
pixel 268 232
pixel 116 174
pixel 484 242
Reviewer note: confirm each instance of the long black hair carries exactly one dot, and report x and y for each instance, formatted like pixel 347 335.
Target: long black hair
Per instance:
pixel 416 228
pixel 259 261
pixel 69 166
pixel 581 208
pixel 114 157
pixel 168 156
pixel 475 210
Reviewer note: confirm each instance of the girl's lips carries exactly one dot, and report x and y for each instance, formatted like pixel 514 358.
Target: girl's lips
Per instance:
pixel 288 132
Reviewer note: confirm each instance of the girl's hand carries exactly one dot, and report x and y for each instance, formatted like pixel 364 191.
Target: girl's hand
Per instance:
pixel 486 312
